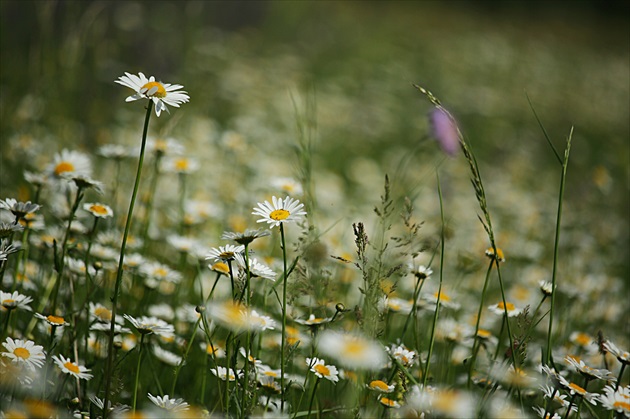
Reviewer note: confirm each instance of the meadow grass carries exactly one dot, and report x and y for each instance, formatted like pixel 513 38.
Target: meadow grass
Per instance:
pixel 289 258
pixel 305 325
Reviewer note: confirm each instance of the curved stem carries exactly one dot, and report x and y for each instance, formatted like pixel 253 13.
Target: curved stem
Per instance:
pixel 310 404
pixel 475 349
pixel 135 386
pixel 136 186
pixel 284 315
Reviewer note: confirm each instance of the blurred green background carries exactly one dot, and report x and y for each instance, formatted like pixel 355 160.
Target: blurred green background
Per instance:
pixel 244 63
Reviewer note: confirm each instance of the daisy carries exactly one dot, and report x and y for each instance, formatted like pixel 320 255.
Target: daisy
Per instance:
pixel 166 403
pixel 256 269
pixel 281 211
pixel 586 371
pixel 6 229
pixel 161 94
pixel 182 243
pixel 14 300
pixel 352 351
pixel 406 357
pixel 229 314
pixel 422 272
pixel 222 373
pixel 286 185
pixel 24 352
pixel 246 237
pixel 166 356
pixel 321 370
pixel 72 368
pixel 313 321
pixel 165 146
pixel 575 389
pixel 182 165
pixel 545 287
pixel 114 151
pixel 160 272
pixel 70 162
pixel 500 309
pixel 98 210
pixel 213 349
pixel 85 182
pixel 148 325
pixel 19 209
pixel 261 322
pixel 622 356
pixel 617 400
pixel 224 253
pixel 54 321
pixel 490 254
pixel 6 250
pixel 380 386
pixel 387 402
pixel 269 383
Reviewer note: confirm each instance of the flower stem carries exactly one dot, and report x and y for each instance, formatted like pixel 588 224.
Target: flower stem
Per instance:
pixel 135 386
pixel 136 186
pixel 284 315
pixel 310 404
pixel 439 294
pixel 475 349
pixel 565 163
pixel 181 363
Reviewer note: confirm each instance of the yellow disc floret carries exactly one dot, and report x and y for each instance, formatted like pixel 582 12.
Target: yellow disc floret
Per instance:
pixel 279 214
pixel 154 89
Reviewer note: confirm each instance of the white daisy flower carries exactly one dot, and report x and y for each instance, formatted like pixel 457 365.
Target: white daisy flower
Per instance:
pixel 14 300
pixel 55 321
pixel 256 269
pixel 166 403
pixel 222 373
pixel 261 322
pixel 616 400
pixel 406 357
pixel 24 352
pixel 72 368
pixel 381 386
pixel 70 162
pixel 161 94
pixel 500 309
pixel 167 357
pixel 352 351
pixel 320 369
pixel 279 211
pixel 98 210
pixel 224 253
pixel 183 165
pixel 160 272
pixel 147 325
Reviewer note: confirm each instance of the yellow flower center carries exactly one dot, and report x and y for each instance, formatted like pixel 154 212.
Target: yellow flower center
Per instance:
pixel 98 209
pixel 181 164
pixel 625 406
pixel 583 339
pixel 160 272
pixel 72 367
pixel 509 306
pixel 482 333
pixel 271 373
pixel 322 369
pixel 388 402
pixel 103 314
pixel 64 167
pixel 443 297
pixel 577 389
pixel 22 353
pixel 55 319
pixel 8 302
pixel 354 348
pixel 221 267
pixel 159 90
pixel 379 385
pixel 279 214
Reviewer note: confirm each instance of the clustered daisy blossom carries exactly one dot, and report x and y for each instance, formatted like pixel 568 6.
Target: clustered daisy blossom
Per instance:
pixel 169 404
pixel 279 211
pixel 72 368
pixel 24 353
pixel 321 370
pixel 161 94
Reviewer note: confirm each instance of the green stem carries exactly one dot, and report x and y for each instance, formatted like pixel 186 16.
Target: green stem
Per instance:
pixel 181 363
pixel 475 349
pixel 150 198
pixel 310 404
pixel 439 294
pixel 135 386
pixel 110 347
pixel 284 315
pixel 556 246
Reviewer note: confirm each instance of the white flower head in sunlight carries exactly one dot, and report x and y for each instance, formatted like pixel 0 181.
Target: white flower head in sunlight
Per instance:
pixel 161 94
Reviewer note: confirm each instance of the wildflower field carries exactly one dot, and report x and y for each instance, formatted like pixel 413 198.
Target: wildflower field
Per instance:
pixel 314 209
